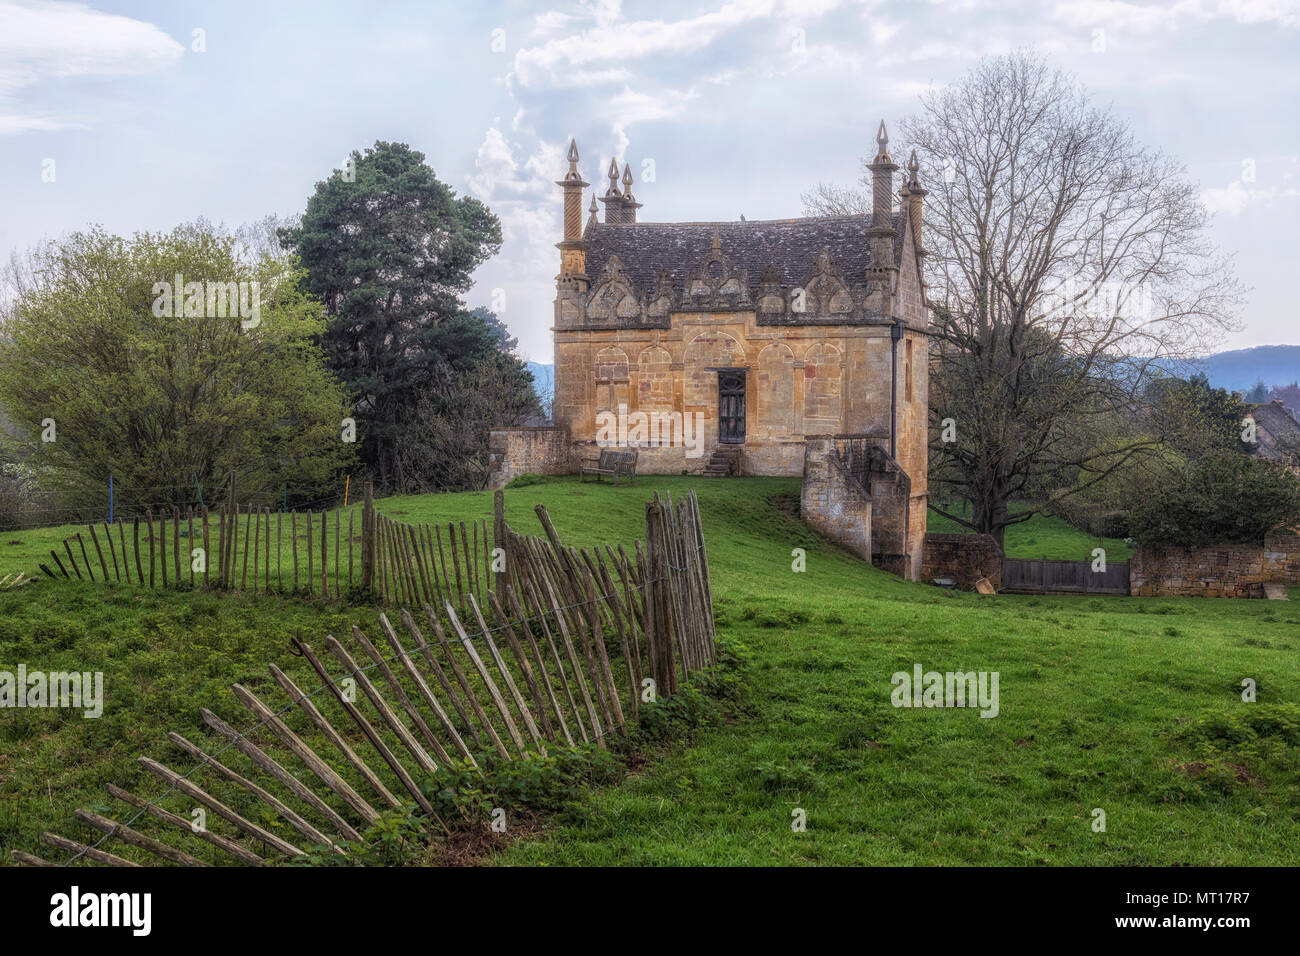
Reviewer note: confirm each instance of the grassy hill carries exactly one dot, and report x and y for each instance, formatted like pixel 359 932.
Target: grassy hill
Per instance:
pixel 1043 536
pixel 1128 705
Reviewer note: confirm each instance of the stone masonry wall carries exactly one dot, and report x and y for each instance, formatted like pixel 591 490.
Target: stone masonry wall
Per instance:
pixel 963 557
pixel 833 503
pixel 1228 570
pixel 519 451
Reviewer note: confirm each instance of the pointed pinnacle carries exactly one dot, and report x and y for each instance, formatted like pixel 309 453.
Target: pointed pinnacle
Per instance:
pixel 573 150
pixel 912 165
pixel 627 174
pixel 882 137
pixel 613 169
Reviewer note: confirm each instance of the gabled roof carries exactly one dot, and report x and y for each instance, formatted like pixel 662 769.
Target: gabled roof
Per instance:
pixel 790 245
pixel 1275 419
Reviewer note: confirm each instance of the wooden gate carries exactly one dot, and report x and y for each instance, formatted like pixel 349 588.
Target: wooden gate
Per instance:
pixel 1042 576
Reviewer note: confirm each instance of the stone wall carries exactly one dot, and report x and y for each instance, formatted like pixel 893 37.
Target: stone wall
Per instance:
pixel 1227 570
pixel 858 496
pixel 520 451
pixel 964 557
pixel 813 380
pixel 895 545
pixel 834 503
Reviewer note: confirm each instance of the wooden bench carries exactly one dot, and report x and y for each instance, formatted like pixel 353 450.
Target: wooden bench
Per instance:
pixel 612 462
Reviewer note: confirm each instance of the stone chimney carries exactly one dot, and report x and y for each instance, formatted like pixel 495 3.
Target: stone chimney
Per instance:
pixel 573 251
pixel 915 196
pixel 613 199
pixel 881 233
pixel 630 205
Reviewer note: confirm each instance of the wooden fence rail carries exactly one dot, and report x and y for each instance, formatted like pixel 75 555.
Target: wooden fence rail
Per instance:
pixel 564 648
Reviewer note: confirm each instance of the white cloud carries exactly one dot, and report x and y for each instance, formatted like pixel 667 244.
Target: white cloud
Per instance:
pixel 613 40
pixel 629 106
pixel 46 40
pixel 1121 15
pixel 1236 198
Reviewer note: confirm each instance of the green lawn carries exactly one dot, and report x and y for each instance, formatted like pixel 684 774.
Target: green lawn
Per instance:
pixel 1128 705
pixel 1043 536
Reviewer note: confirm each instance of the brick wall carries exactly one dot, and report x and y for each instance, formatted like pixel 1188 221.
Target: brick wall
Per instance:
pixel 520 451
pixel 964 557
pixel 1227 570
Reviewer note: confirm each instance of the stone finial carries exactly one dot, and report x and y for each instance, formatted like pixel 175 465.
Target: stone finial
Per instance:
pixel 573 161
pixel 627 176
pixel 914 174
pixel 882 139
pixel 613 178
pixel 572 176
pixel 592 220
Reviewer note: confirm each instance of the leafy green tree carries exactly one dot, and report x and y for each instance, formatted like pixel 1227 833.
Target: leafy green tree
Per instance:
pixel 390 249
pixel 1224 497
pixel 1195 418
pixel 93 357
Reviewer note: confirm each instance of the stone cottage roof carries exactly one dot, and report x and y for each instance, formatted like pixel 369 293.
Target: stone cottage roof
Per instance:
pixel 1275 419
pixel 790 246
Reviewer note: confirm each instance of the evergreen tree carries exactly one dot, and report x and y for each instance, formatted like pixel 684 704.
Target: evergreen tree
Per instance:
pixel 390 249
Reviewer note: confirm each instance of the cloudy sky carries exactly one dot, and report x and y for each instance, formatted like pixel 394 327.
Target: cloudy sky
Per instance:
pixel 141 115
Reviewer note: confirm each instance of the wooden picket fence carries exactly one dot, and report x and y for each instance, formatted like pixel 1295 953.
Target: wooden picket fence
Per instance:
pixel 251 551
pixel 567 647
pixel 325 552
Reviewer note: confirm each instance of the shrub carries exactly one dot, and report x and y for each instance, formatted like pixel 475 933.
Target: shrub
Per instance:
pixel 1225 497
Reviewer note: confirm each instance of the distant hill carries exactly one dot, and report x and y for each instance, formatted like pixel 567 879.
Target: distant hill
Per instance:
pixel 543 380
pixel 1240 369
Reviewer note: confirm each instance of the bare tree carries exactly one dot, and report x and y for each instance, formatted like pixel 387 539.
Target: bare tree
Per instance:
pixel 1067 265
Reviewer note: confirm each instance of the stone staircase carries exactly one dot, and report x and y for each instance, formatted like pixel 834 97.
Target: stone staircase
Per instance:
pixel 724 461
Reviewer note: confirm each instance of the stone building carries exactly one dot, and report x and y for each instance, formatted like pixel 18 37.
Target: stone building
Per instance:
pixel 723 347
pixel 1277 434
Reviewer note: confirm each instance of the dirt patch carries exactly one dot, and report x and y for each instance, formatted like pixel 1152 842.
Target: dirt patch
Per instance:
pixel 1197 768
pixel 636 761
pixel 469 845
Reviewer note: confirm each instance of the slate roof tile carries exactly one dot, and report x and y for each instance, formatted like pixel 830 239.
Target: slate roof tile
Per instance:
pixel 791 245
